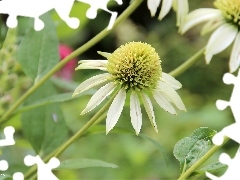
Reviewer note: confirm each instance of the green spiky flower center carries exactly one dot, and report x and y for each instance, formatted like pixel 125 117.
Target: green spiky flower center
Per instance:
pixel 230 10
pixel 135 66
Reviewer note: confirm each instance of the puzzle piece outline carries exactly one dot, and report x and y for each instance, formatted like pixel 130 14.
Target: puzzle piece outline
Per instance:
pixel 231 131
pixel 36 8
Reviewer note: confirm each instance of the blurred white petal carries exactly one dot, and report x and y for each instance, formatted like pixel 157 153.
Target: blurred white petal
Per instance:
pixel 175 84
pixel 152 6
pixel 221 38
pixel 149 109
pixel 198 16
pixel 166 6
pixel 182 10
pixel 99 96
pixel 163 102
pixel 212 25
pixel 171 95
pixel 104 54
pixel 235 55
pixel 92 64
pixel 135 112
pixel 115 110
pixel 91 82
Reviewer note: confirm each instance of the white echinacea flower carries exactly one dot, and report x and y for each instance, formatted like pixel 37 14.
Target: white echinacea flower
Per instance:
pixel 180 6
pixel 133 68
pixel 225 20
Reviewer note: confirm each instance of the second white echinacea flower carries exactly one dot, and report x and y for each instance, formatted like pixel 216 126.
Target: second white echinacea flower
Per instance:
pixel 133 68
pixel 180 6
pixel 225 20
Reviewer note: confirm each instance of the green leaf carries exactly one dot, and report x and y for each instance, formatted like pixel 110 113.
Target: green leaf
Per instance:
pixel 158 146
pixel 102 129
pixel 190 149
pixel 38 50
pixel 210 168
pixel 4 176
pixel 44 126
pixel 84 163
pixel 56 98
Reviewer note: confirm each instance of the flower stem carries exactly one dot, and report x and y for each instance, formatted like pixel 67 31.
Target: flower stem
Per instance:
pixel 203 159
pixel 73 55
pixel 187 64
pixel 96 118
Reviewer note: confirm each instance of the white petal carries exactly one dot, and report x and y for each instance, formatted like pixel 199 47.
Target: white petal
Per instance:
pixel 182 11
pixel 115 110
pixel 91 82
pixel 92 64
pixel 163 102
pixel 235 55
pixel 221 38
pixel 99 96
pixel 171 95
pixel 166 6
pixel 198 16
pixel 212 25
pixel 175 84
pixel 152 6
pixel 104 54
pixel 149 109
pixel 135 112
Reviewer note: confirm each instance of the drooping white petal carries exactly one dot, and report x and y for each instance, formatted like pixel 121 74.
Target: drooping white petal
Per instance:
pixel 149 109
pixel 99 96
pixel 182 10
pixel 235 55
pixel 115 110
pixel 213 24
pixel 92 64
pixel 163 102
pixel 152 6
pixel 221 38
pixel 198 16
pixel 171 95
pixel 104 54
pixel 175 84
pixel 135 112
pixel 166 6
pixel 91 82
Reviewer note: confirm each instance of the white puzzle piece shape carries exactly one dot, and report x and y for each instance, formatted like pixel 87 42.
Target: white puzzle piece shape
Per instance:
pixel 233 167
pixel 44 170
pixel 35 8
pixel 8 133
pixel 3 165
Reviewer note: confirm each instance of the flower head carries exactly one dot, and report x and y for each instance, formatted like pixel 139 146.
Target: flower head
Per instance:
pixel 133 68
pixel 225 20
pixel 180 6
pixel 67 71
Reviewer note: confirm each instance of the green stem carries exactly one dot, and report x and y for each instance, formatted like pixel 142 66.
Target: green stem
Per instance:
pixel 203 159
pixel 187 64
pixel 96 118
pixel 74 54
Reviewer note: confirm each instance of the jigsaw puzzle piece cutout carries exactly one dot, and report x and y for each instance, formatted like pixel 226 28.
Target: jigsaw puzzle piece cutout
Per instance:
pixel 3 165
pixel 63 8
pixel 231 131
pixel 44 170
pixel 8 133
pixel 36 8
pixel 234 102
pixel 233 167
pixel 18 176
pixel 100 4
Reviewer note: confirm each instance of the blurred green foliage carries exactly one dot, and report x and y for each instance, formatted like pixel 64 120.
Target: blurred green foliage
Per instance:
pixel 136 157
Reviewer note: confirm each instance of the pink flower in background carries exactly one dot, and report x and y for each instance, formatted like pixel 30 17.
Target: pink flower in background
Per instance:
pixel 67 71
